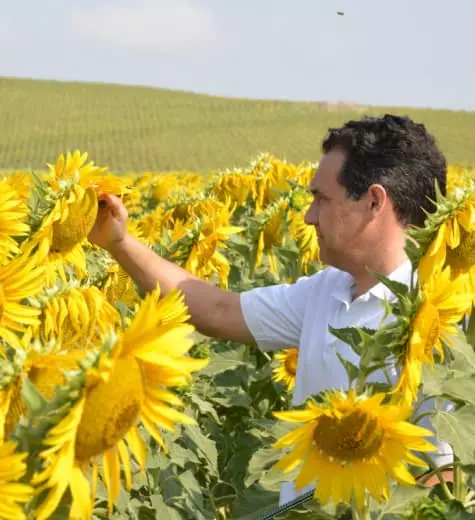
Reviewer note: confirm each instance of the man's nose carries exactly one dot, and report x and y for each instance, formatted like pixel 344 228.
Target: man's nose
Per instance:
pixel 311 216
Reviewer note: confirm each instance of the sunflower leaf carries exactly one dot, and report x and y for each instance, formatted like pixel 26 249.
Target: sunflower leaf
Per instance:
pixel 350 335
pixel 464 356
pixel 202 445
pixel 458 429
pixel 400 290
pixel 460 389
pixel 33 399
pixel 400 498
pixel 350 369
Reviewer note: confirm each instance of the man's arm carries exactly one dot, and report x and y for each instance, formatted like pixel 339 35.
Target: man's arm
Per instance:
pixel 213 312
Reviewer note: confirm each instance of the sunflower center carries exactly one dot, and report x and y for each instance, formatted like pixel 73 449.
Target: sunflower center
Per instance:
pixel 291 364
pixel 353 437
pixel 462 257
pixel 77 225
pixel 110 410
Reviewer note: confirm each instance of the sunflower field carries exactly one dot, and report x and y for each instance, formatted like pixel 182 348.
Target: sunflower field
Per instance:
pixel 113 406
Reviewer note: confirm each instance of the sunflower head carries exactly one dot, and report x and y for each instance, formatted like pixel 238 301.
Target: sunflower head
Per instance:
pixel 352 445
pixel 111 408
pixel 440 306
pixel 77 216
pixel 287 369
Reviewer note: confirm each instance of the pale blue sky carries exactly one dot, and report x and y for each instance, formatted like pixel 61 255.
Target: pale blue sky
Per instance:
pixel 381 52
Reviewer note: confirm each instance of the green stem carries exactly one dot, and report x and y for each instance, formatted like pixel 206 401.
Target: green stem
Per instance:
pixel 442 482
pixel 360 383
pixel 460 484
pixel 361 513
pixel 417 418
pixel 429 474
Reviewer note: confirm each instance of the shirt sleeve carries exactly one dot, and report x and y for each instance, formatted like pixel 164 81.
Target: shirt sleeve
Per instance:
pixel 274 315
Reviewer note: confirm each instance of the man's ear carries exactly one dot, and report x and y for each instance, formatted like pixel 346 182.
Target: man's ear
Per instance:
pixel 377 198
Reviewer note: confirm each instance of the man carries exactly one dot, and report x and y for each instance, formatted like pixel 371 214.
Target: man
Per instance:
pixel 376 177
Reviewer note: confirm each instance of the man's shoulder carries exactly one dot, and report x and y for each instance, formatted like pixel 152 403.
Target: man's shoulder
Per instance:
pixel 327 274
pixel 323 281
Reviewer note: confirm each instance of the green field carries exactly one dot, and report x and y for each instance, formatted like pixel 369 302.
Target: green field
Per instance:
pixel 140 128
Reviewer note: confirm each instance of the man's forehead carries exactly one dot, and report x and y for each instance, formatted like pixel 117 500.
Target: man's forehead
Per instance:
pixel 329 167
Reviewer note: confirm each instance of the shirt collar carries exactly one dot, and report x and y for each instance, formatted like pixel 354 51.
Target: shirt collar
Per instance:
pixel 343 291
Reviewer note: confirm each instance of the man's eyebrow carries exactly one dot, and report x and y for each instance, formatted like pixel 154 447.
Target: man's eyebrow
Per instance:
pixel 316 191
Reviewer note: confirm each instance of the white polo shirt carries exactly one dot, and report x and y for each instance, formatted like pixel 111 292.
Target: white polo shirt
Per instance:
pixel 298 315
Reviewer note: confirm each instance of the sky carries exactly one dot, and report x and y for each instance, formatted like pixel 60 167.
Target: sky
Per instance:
pixel 380 52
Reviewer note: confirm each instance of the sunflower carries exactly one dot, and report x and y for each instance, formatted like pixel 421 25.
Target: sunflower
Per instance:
pixel 21 182
pixel 271 234
pixel 239 186
pixel 130 387
pixel 45 371
pixel 89 176
pixel 62 232
pixel 350 445
pixel 205 259
pixel 458 177
pixel 13 216
pixel 21 278
pixel 306 239
pixel 12 492
pixel 443 304
pixel 150 226
pixel 271 179
pixel 76 317
pixel 454 247
pixel 287 369
pixel 119 286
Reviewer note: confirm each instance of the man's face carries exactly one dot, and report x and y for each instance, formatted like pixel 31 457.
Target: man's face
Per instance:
pixel 340 222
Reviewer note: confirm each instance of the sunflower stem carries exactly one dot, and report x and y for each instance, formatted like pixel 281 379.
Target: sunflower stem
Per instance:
pixel 460 483
pixel 437 471
pixel 426 476
pixel 417 418
pixel 361 382
pixel 361 513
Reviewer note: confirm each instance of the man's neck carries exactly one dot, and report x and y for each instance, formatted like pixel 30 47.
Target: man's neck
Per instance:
pixel 364 281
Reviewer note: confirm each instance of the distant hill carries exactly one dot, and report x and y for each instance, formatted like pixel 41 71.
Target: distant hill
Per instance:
pixel 139 128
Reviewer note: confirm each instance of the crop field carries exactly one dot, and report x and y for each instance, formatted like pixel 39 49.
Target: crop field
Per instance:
pixel 112 406
pixel 150 129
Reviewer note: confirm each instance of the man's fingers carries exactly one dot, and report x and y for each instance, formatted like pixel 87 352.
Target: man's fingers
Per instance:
pixel 112 203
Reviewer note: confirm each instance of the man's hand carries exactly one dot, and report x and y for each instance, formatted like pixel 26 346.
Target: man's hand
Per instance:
pixel 109 230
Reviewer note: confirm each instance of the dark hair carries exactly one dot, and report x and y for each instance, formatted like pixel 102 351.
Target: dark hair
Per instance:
pixel 395 152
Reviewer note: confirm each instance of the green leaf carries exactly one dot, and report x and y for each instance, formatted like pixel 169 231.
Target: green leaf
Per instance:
pixel 205 407
pixel 350 335
pixel 181 456
pixel 163 511
pixel 33 399
pixel 193 495
pixel 456 511
pixel 225 360
pixel 460 389
pixel 203 445
pixel 261 468
pixel 464 356
pixel 399 289
pixel 218 364
pixel 230 397
pixel 350 369
pixel 432 379
pixel 401 497
pixel 255 501
pixel 458 429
